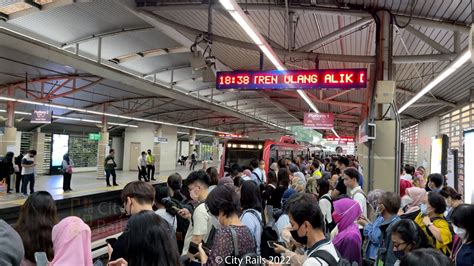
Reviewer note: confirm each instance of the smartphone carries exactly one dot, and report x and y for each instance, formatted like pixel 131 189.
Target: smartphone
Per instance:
pixel 41 259
pixel 271 244
pixel 111 241
pixel 194 248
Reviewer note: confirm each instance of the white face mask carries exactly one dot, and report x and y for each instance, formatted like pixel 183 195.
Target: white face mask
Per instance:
pixel 461 232
pixel 215 221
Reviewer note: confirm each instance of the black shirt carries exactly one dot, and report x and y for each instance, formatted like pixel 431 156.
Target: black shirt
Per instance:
pixel 120 247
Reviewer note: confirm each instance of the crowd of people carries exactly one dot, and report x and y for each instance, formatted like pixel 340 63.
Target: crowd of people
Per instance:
pixel 301 212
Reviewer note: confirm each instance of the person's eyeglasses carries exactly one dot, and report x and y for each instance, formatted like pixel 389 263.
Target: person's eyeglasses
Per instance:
pixel 397 245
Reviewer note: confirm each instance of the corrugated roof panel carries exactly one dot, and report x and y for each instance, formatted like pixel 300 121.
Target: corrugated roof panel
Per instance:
pixel 78 20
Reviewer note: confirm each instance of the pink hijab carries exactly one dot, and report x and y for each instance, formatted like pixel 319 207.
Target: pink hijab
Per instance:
pixel 72 243
pixel 348 211
pixel 417 195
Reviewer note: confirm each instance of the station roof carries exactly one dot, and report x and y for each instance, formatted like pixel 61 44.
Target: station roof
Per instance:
pixel 150 41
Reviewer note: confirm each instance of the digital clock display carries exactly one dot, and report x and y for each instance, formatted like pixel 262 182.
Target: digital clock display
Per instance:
pixel 293 79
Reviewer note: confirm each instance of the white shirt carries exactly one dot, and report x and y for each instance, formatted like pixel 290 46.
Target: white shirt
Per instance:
pixel 325 206
pixel 407 177
pixel 254 224
pixel 360 198
pixel 27 169
pixel 327 246
pixel 201 226
pixel 141 161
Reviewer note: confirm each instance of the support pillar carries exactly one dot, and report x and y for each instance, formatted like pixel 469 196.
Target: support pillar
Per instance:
pixel 8 140
pixel 38 145
pixel 383 168
pixel 215 151
pixel 192 139
pixel 157 149
pixel 102 149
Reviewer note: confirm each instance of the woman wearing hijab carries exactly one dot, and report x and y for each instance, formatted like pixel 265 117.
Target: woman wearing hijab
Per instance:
pixel 72 243
pixel 417 196
pixel 348 240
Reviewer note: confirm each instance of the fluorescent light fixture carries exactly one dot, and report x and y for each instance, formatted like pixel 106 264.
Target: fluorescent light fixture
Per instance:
pixel 461 60
pixel 227 4
pixel 241 18
pixel 245 24
pixel 110 115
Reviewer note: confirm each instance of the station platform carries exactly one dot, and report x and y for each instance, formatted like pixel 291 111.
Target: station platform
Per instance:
pixel 86 183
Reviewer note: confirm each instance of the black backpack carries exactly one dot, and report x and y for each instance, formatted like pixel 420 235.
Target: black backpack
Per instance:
pixel 330 260
pixel 245 259
pixel 268 234
pixel 329 226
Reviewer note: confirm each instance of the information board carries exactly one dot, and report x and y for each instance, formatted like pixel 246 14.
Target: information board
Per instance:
pixel 293 79
pixel 319 120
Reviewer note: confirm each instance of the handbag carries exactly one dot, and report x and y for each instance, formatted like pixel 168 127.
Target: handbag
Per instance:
pixel 3 187
pixel 69 169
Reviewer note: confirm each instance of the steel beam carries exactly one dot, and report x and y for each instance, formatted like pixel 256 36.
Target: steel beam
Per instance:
pixel 337 95
pixel 415 105
pixel 426 96
pixel 42 50
pixel 253 47
pixel 427 40
pixel 167 69
pixel 148 54
pixel 104 34
pixel 323 10
pixel 278 105
pixel 419 59
pixel 333 35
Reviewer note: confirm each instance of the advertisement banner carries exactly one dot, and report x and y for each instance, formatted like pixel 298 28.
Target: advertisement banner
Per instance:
pixel 160 140
pixel 319 120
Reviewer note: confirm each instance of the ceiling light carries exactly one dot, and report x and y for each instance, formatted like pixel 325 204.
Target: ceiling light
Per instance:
pixel 241 18
pixel 461 60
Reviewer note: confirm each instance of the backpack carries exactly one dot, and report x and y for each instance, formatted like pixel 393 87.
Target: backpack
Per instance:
pixel 330 260
pixel 329 226
pixel 193 156
pixel 450 244
pixel 243 259
pixel 268 234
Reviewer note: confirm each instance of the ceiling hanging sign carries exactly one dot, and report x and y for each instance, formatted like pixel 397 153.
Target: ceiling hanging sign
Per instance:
pixel 160 140
pixel 355 78
pixel 41 117
pixel 319 120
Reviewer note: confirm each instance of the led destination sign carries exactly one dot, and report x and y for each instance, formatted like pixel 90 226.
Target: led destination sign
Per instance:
pixel 293 79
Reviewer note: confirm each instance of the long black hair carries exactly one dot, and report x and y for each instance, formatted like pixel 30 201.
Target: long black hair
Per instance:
pixel 38 215
pixel 283 177
pixel 462 216
pixel 250 196
pixel 410 233
pixel 150 242
pixel 9 157
pixel 66 158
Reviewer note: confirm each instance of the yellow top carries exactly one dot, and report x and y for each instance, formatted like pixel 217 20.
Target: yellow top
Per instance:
pixel 150 159
pixel 444 230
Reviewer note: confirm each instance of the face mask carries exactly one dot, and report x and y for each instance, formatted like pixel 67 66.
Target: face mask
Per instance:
pixel 300 239
pixel 336 217
pixel 424 209
pixel 215 222
pixel 461 232
pixel 399 254
pixel 194 195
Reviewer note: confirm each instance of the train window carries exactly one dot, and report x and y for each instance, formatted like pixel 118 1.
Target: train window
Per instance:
pixel 273 155
pixel 242 157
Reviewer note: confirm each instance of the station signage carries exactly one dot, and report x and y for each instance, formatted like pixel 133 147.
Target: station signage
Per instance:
pixel 355 78
pixel 94 136
pixel 319 120
pixel 41 117
pixel 160 140
pixel 341 139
